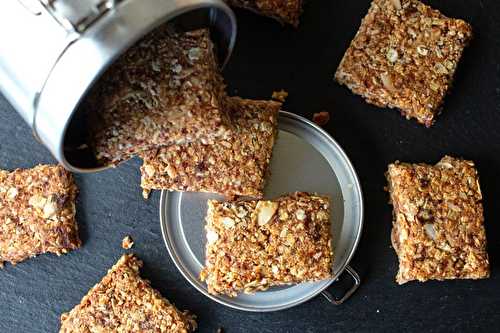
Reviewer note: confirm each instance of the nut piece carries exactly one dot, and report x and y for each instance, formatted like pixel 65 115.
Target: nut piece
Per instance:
pixel 228 222
pixel 12 193
pixel 212 236
pixel 300 214
pixel 265 211
pixel 37 201
pixel 127 242
pixel 50 208
pixel 321 118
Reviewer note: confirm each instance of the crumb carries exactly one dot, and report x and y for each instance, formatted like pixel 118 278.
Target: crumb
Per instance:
pixel 127 242
pixel 280 95
pixel 321 118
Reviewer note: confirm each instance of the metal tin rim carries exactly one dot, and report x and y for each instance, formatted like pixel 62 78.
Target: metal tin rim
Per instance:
pixel 48 126
pixel 306 297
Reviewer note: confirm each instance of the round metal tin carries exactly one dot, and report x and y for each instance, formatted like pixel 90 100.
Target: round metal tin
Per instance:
pixel 305 158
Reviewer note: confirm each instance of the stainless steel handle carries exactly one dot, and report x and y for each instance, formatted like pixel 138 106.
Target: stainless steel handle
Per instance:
pixel 357 282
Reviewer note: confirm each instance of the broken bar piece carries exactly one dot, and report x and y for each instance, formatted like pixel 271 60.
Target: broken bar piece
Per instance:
pixel 234 166
pixel 253 245
pixel 285 11
pixel 37 213
pixel 165 90
pixel 124 302
pixel 404 56
pixel 438 229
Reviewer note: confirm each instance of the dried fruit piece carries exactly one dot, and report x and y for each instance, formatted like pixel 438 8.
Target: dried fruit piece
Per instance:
pixel 265 211
pixel 321 118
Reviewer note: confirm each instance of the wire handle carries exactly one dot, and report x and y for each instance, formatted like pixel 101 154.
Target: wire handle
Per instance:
pixel 348 294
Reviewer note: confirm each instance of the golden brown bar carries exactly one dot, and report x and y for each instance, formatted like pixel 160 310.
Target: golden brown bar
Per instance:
pixel 234 166
pixel 404 56
pixel 285 11
pixel 124 302
pixel 165 90
pixel 253 245
pixel 438 229
pixel 37 213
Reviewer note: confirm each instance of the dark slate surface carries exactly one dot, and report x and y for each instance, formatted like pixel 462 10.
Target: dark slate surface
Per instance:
pixel 267 57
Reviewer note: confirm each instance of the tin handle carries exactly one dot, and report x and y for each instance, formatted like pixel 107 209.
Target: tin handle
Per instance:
pixel 355 286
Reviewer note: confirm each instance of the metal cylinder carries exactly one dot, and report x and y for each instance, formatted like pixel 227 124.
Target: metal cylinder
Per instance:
pixel 53 51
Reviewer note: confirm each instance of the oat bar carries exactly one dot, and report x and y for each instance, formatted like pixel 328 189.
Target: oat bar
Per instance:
pixel 234 166
pixel 124 302
pixel 37 213
pixel 404 56
pixel 438 231
pixel 285 11
pixel 166 89
pixel 253 245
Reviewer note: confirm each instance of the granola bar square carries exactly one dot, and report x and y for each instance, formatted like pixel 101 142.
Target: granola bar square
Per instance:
pixel 124 302
pixel 253 245
pixel 234 166
pixel 404 56
pixel 285 11
pixel 37 213
pixel 438 229
pixel 166 89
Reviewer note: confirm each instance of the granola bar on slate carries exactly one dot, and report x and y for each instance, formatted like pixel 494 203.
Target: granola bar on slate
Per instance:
pixel 404 56
pixel 124 302
pixel 37 213
pixel 165 90
pixel 285 11
pixel 438 230
pixel 234 166
pixel 252 245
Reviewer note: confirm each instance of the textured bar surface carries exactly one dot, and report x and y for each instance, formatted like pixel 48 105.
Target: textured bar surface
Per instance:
pixel 438 228
pixel 404 56
pixel 166 89
pixel 235 166
pixel 253 245
pixel 285 11
pixel 37 213
pixel 124 302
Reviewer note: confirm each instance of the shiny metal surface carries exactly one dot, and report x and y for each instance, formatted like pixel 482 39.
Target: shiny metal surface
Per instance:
pixel 54 51
pixel 305 158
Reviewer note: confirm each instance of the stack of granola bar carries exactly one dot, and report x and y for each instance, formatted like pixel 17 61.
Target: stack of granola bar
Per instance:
pixel 164 100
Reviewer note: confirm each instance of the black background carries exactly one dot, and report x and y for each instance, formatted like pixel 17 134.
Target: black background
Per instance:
pixel 269 57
